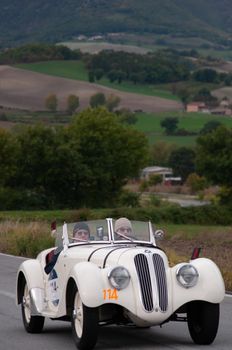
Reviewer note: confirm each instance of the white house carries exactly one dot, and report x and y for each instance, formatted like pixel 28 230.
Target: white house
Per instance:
pixel 166 173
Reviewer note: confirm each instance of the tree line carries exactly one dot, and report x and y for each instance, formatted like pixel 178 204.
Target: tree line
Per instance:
pixel 163 66
pixel 151 68
pixel 87 163
pixel 84 164
pixel 38 52
pixel 72 102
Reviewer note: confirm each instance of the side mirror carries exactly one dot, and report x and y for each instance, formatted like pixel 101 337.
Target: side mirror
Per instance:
pixel 159 234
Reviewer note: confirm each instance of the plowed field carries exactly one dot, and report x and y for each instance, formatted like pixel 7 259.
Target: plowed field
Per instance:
pixel 28 90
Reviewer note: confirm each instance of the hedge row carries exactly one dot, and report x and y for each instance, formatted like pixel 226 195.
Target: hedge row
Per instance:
pixel 204 215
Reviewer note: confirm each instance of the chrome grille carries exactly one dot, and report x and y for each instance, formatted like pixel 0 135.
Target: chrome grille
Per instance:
pixel 142 268
pixel 161 281
pixel 149 281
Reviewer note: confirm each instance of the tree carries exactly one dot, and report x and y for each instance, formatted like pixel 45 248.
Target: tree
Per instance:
pixel 196 182
pixel 210 126
pixel 204 95
pixel 91 76
pixel 160 152
pixel 49 166
pixel 8 156
pixel 112 102
pixel 184 95
pixel 126 116
pixel 35 153
pixel 207 75
pixel 214 157
pixel 112 75
pixel 99 73
pixel 129 199
pixel 155 179
pixel 170 125
pixel 182 161
pixel 110 152
pixel 72 103
pixel 97 100
pixel 51 102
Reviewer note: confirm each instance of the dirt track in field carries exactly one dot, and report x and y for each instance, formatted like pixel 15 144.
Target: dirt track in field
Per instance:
pixel 28 90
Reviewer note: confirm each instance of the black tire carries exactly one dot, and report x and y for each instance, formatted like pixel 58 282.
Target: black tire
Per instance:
pixel 84 323
pixel 32 324
pixel 203 320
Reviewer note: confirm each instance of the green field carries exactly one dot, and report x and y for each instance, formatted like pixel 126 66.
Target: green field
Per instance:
pixel 150 125
pixel 77 71
pixel 65 69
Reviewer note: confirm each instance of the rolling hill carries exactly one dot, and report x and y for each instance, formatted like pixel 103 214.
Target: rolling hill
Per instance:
pixel 26 90
pixel 57 20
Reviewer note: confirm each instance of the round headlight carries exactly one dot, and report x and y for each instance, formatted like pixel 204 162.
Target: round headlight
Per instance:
pixel 187 276
pixel 119 277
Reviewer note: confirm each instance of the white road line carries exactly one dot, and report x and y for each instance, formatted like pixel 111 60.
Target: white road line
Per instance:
pixel 13 256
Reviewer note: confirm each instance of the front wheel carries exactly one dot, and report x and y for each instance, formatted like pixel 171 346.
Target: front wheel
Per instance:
pixel 203 320
pixel 32 324
pixel 84 323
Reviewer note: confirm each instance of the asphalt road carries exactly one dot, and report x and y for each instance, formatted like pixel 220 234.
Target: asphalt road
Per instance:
pixel 57 335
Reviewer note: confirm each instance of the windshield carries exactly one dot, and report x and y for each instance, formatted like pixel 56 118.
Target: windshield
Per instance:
pixel 102 231
pixel 125 229
pixel 84 231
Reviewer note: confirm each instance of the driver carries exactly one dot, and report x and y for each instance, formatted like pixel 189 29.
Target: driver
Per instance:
pixel 123 227
pixel 81 232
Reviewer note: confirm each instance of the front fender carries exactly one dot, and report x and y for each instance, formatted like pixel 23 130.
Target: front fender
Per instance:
pixel 90 283
pixel 32 272
pixel 210 286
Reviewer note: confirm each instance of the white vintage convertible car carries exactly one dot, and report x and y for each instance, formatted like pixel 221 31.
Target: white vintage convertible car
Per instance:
pixel 117 278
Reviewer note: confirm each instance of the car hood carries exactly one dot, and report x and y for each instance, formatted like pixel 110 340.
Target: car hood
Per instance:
pixel 110 255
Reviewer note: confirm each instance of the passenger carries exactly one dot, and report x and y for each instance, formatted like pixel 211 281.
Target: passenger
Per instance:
pixel 123 227
pixel 81 232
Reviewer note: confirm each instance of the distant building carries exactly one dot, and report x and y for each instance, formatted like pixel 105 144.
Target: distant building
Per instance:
pixel 96 38
pixel 224 103
pixel 166 173
pixel 221 111
pixel 195 107
pixel 81 37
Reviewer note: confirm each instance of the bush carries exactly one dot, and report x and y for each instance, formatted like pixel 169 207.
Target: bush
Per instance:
pixel 3 116
pixel 155 201
pixel 129 199
pixel 196 183
pixel 155 179
pixel 144 186
pixel 24 239
pixel 11 199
